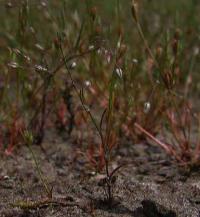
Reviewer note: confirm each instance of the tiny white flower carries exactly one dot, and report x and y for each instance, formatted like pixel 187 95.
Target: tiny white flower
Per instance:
pixel 39 47
pixel 119 44
pixel 108 58
pixel 9 5
pixel 106 51
pixel 91 47
pixel 44 4
pixel 32 30
pixel 196 51
pixel 87 83
pixel 119 72
pixel 147 107
pixel 157 81
pixel 39 68
pixel 135 61
pixel 13 65
pixel 6 177
pixel 99 51
pixel 27 58
pixel 73 65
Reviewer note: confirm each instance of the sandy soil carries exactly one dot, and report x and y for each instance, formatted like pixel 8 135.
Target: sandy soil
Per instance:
pixel 150 185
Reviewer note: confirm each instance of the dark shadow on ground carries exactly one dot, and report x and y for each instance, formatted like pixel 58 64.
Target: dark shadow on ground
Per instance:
pixel 151 209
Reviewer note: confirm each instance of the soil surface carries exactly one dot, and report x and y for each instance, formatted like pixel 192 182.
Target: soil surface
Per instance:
pixel 150 185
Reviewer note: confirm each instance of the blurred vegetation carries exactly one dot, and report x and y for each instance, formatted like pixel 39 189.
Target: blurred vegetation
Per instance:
pixel 99 37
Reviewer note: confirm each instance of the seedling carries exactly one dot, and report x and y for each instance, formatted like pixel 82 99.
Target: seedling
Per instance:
pixel 107 120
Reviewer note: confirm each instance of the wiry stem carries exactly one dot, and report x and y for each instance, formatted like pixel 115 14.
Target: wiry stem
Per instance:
pixel 169 149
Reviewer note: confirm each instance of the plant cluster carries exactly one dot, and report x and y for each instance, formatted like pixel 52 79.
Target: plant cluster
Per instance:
pixel 130 78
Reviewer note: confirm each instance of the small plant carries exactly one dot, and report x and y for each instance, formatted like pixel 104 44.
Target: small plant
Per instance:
pixel 176 111
pixel 179 142
pixel 105 124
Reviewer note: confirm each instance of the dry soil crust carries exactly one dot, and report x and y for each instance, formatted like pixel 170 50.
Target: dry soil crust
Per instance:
pixel 149 186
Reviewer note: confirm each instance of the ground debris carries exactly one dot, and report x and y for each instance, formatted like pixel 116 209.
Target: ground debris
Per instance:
pixel 151 208
pixel 42 203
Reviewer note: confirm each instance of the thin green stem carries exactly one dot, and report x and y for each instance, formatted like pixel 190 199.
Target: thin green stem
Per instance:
pixel 43 180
